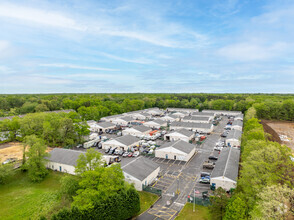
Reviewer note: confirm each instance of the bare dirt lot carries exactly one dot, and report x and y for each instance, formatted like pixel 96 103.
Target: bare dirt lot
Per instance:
pixel 284 129
pixel 10 150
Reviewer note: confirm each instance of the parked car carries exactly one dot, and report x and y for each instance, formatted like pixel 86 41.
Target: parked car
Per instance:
pixel 151 151
pixel 218 148
pixel 99 145
pixel 205 181
pixel 116 152
pixel 112 151
pixel 204 174
pixel 136 154
pixel 107 150
pixel 9 160
pixel 212 158
pixel 125 154
pixel 130 154
pixel 121 152
pixel 224 134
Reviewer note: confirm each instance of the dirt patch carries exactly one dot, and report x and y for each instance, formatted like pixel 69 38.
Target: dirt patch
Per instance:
pixel 11 150
pixel 284 130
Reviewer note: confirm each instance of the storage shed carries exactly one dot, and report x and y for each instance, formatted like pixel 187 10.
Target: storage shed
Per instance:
pixel 234 138
pixel 102 126
pixel 237 124
pixel 157 123
pixel 197 119
pixel 123 121
pixel 124 142
pixel 140 172
pixel 181 134
pixel 225 172
pixel 170 118
pixel 137 130
pixel 176 150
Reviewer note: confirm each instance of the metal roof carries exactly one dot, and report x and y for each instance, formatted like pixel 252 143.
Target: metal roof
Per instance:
pixel 141 128
pixel 203 113
pixel 105 124
pixel 179 145
pixel 127 118
pixel 65 156
pixel 238 123
pixel 190 124
pixel 127 139
pixel 234 134
pixel 183 131
pixel 140 168
pixel 196 118
pixel 227 164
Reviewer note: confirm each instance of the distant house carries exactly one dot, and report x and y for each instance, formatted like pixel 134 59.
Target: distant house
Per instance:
pixel 176 150
pixel 197 119
pixel 225 172
pixel 181 134
pixel 123 142
pixel 234 138
pixel 141 171
pixel 137 130
pixel 157 123
pixel 198 127
pixel 63 160
pixel 237 124
pixel 103 126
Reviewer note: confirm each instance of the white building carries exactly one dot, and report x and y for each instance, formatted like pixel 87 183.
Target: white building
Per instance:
pixel 92 124
pixel 204 114
pixel 179 114
pixel 140 116
pixel 63 160
pixel 124 142
pixel 223 112
pixel 234 138
pixel 111 118
pixel 123 121
pixel 154 111
pixel 225 172
pixel 103 126
pixel 198 127
pixel 197 119
pixel 170 118
pixel 181 134
pixel 157 123
pixel 239 117
pixel 186 111
pixel 141 171
pixel 177 150
pixel 137 130
pixel 237 124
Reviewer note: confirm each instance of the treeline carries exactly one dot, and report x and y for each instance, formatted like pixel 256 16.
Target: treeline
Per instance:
pixel 95 106
pixel 265 185
pixel 56 129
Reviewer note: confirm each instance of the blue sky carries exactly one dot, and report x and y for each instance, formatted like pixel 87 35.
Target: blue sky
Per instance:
pixel 147 46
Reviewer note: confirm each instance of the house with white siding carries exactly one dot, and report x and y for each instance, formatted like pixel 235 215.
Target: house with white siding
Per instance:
pixel 176 150
pixel 141 172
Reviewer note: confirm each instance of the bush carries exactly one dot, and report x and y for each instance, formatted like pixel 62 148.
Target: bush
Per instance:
pixel 5 171
pixel 69 186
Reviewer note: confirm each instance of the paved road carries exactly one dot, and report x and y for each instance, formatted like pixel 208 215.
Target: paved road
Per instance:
pixel 180 179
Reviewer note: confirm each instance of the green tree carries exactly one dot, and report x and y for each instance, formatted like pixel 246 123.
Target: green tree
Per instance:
pixel 36 158
pixel 89 161
pixel 69 185
pixel 236 209
pixel 5 171
pixel 219 202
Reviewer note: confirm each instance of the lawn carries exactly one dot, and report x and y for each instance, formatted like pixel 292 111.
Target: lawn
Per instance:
pixel 146 200
pixel 22 199
pixel 201 213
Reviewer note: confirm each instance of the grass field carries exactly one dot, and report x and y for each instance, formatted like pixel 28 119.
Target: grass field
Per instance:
pixel 146 199
pixel 22 199
pixel 201 213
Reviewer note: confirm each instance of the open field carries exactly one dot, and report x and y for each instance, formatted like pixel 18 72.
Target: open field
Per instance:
pixel 11 150
pixel 201 213
pixel 22 199
pixel 146 200
pixel 283 128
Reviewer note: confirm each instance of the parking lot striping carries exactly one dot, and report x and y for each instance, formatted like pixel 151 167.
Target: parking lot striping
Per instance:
pixel 180 204
pixel 162 212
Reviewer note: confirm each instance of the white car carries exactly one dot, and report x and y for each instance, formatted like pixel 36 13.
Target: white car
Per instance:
pixel 136 154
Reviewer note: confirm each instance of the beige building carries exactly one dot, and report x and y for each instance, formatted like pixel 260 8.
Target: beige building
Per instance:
pixel 176 150
pixel 125 142
pixel 103 126
pixel 141 172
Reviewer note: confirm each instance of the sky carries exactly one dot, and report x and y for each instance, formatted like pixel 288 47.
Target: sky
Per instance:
pixel 166 46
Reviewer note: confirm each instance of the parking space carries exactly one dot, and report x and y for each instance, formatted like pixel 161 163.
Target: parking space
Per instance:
pixel 163 182
pixel 162 212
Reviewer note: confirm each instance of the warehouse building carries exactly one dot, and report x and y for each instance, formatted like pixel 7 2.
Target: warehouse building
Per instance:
pixel 154 111
pixel 234 138
pixel 103 126
pixel 157 123
pixel 237 124
pixel 123 121
pixel 170 118
pixel 197 119
pixel 137 131
pixel 239 117
pixel 181 134
pixel 141 172
pixel 179 114
pixel 197 127
pixel 225 172
pixel 223 112
pixel 211 115
pixel 186 111
pixel 140 116
pixel 176 150
pixel 125 142
pixel 111 118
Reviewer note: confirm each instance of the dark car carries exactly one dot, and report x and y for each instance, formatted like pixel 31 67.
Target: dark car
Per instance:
pixel 225 134
pixel 107 150
pixel 112 151
pixel 212 158
pixel 205 174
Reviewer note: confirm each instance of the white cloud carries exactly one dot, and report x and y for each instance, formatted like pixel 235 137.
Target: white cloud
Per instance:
pixel 252 51
pixel 139 61
pixel 72 66
pixel 39 16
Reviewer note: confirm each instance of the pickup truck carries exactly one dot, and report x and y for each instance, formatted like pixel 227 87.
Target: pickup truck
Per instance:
pixel 208 165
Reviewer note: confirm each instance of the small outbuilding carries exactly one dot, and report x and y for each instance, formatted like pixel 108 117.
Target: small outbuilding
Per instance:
pixel 181 134
pixel 176 150
pixel 157 123
pixel 225 172
pixel 124 142
pixel 137 130
pixel 234 138
pixel 237 124
pixel 141 172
